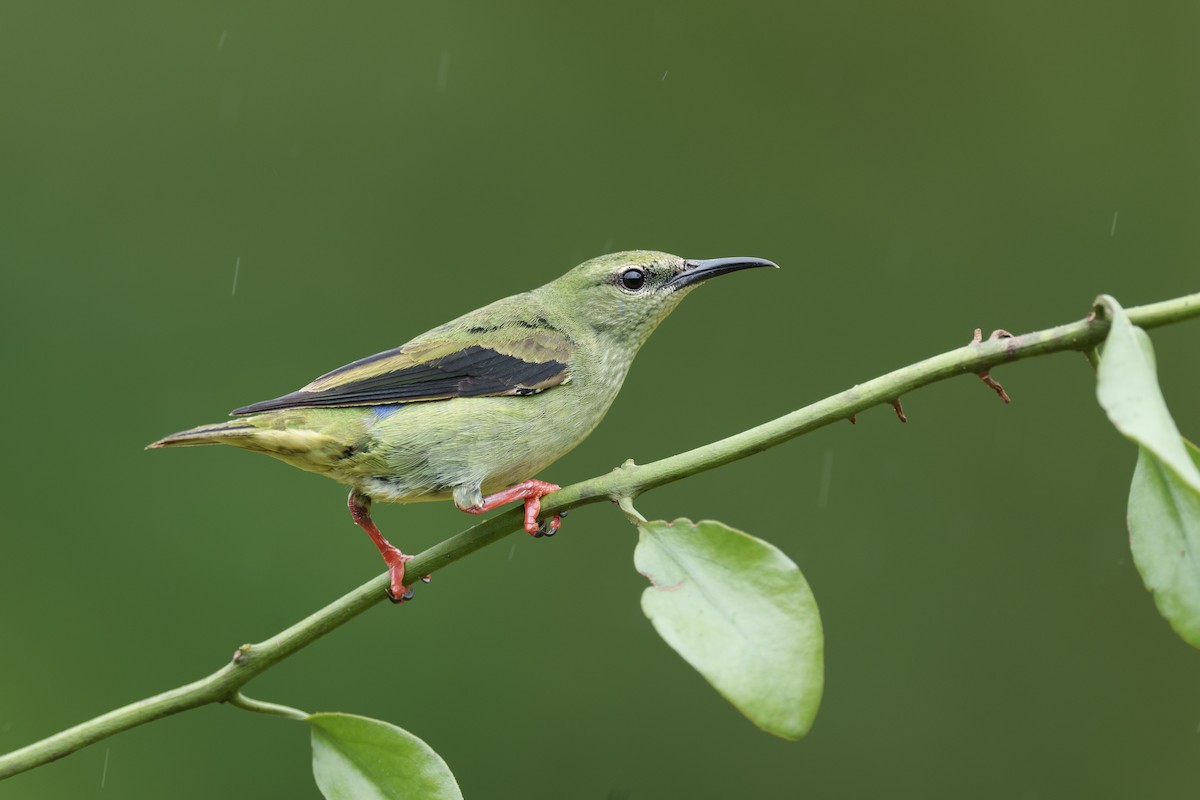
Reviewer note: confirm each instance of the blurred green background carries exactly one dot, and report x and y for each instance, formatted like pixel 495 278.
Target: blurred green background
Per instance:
pixel 373 169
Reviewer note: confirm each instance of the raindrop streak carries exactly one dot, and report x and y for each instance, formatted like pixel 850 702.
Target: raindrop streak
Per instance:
pixel 236 268
pixel 221 41
pixel 664 77
pixel 443 72
pixel 826 479
pixel 104 774
pixel 1113 232
pixel 512 551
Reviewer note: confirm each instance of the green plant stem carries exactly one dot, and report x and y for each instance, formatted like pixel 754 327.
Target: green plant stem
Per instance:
pixel 627 481
pixel 262 707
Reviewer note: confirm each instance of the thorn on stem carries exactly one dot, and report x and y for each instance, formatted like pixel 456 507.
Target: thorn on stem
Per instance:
pixel 999 333
pixel 899 410
pixel 987 378
pixel 853 419
pixel 986 375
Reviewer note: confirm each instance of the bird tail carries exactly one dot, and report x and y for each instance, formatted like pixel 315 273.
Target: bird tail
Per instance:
pixel 314 442
pixel 219 433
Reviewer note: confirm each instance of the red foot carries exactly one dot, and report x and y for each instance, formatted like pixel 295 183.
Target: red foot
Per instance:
pixel 532 493
pixel 397 592
pixel 360 511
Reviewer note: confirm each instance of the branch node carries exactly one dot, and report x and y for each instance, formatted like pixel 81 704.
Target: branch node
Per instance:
pixel 1101 309
pixel 899 410
pixel 241 653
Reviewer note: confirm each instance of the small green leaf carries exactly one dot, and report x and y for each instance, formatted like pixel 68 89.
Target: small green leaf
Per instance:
pixel 739 611
pixel 1164 497
pixel 1164 533
pixel 1127 388
pixel 358 758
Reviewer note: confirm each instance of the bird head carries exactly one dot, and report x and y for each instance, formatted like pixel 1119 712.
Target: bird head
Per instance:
pixel 624 296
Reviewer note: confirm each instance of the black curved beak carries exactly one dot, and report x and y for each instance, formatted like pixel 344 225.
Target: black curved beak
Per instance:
pixel 695 271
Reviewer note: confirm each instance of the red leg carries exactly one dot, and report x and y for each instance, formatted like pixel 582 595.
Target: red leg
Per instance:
pixel 532 493
pixel 360 511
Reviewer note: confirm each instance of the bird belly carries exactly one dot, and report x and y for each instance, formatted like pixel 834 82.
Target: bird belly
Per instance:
pixel 422 451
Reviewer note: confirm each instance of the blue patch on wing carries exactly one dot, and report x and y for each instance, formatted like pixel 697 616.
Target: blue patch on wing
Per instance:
pixel 383 412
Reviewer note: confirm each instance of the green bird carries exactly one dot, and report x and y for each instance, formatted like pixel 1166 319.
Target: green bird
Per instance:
pixel 474 408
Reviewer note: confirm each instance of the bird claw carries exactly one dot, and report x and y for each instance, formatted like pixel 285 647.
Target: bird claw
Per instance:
pixel 407 594
pixel 548 527
pixel 397 592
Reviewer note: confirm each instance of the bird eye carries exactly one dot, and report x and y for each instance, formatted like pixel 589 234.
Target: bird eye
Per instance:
pixel 633 279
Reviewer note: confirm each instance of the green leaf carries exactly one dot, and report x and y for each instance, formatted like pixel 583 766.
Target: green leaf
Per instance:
pixel 1164 533
pixel 1164 497
pixel 739 611
pixel 1127 388
pixel 358 758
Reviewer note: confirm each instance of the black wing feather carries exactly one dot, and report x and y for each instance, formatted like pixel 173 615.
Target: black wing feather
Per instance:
pixel 471 372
